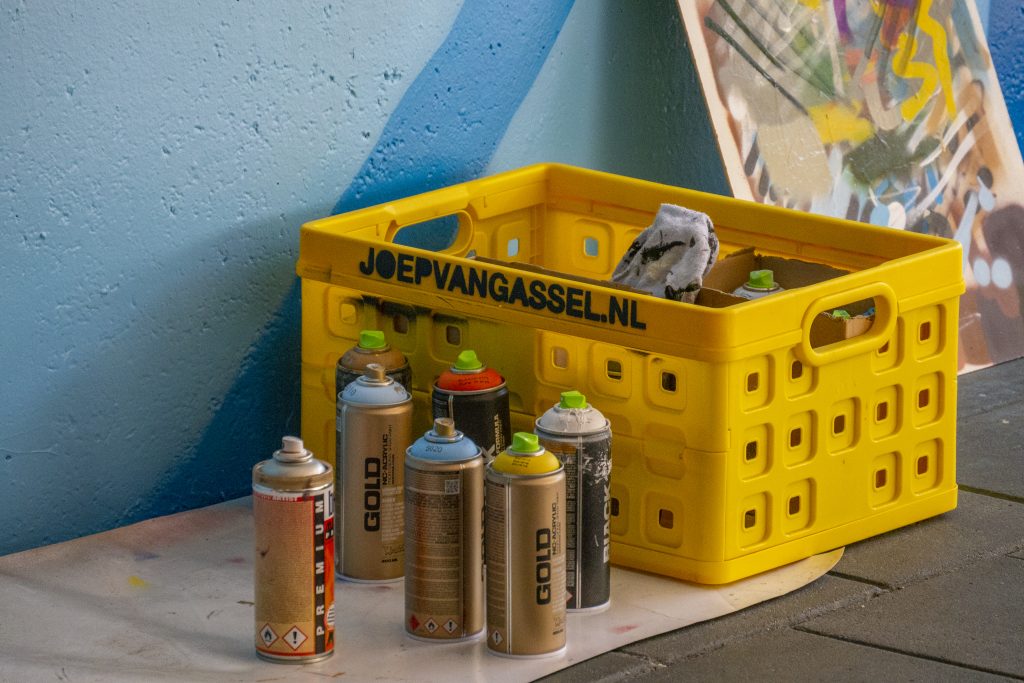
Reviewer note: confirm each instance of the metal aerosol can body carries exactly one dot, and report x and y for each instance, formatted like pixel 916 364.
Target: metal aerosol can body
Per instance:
pixel 444 500
pixel 524 527
pixel 372 348
pixel 374 429
pixel 581 438
pixel 293 512
pixel 476 398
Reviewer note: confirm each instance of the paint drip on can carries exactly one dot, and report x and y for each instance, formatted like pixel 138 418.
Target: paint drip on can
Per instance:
pixel 524 541
pixel 374 427
pixel 372 348
pixel 444 498
pixel 581 438
pixel 476 398
pixel 293 512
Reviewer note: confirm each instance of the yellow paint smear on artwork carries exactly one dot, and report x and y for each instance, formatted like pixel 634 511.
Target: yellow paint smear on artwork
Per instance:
pixel 931 75
pixel 813 4
pixel 838 123
pixel 138 582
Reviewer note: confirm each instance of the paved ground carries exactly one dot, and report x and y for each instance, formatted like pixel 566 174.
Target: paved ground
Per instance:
pixel 941 600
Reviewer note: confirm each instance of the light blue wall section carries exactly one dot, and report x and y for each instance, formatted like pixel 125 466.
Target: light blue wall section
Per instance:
pixel 155 167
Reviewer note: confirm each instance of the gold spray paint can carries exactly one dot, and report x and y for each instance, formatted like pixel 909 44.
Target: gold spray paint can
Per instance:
pixel 293 512
pixel 374 428
pixel 524 542
pixel 444 500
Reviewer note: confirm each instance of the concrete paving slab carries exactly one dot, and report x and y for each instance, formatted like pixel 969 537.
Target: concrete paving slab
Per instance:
pixel 983 390
pixel 990 451
pixel 980 527
pixel 826 594
pixel 790 655
pixel 1018 555
pixel 973 617
pixel 607 668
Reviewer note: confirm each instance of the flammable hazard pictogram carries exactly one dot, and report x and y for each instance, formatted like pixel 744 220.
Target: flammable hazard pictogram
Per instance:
pixel 496 637
pixel 450 626
pixel 295 637
pixel 414 623
pixel 267 635
pixel 431 625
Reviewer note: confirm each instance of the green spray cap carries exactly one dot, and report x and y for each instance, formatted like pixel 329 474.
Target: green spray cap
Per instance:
pixel 573 399
pixel 841 314
pixel 761 279
pixel 467 360
pixel 372 339
pixel 525 442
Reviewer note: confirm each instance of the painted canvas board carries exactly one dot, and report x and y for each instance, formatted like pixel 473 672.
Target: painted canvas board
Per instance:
pixel 883 111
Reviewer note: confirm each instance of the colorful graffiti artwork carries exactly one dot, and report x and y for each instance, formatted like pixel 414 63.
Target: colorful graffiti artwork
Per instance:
pixel 883 111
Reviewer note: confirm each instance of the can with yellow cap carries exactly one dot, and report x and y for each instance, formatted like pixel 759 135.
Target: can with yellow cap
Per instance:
pixel 524 541
pixel 372 348
pixel 476 398
pixel 581 438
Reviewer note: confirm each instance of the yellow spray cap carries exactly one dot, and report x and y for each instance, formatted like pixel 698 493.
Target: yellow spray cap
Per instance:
pixel 372 339
pixel 573 399
pixel 467 360
pixel 761 279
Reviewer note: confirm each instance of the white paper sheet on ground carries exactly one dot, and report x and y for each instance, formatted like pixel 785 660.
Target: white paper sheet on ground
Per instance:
pixel 171 599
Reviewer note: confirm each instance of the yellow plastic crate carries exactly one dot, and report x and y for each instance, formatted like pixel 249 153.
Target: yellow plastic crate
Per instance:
pixel 738 447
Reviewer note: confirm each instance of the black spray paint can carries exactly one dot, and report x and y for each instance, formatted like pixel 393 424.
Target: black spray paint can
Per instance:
pixel 581 438
pixel 476 398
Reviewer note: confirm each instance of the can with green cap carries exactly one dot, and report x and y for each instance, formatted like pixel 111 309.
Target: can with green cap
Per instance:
pixel 373 347
pixel 476 398
pixel 760 283
pixel 524 542
pixel 581 438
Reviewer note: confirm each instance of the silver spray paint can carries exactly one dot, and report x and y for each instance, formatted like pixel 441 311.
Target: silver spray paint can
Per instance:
pixel 580 436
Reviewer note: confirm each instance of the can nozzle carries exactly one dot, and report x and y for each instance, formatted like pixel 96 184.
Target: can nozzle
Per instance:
pixel 372 339
pixel 467 360
pixel 444 426
pixel 292 450
pixel 375 372
pixel 525 443
pixel 761 279
pixel 573 399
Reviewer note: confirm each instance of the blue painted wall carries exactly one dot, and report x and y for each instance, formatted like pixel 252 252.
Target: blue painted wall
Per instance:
pixel 154 170
pixel 155 167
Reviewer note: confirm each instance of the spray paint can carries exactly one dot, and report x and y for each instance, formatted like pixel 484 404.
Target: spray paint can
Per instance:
pixel 760 283
pixel 476 398
pixel 444 500
pixel 524 527
pixel 293 511
pixel 372 348
pixel 581 438
pixel 374 428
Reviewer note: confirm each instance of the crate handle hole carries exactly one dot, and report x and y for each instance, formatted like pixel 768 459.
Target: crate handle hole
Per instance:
pixel 613 369
pixel 922 464
pixel 796 371
pixel 839 424
pixel 613 506
pixel 794 505
pixel 668 382
pixel 400 323
pixel 751 452
pixel 884 350
pixel 665 518
pixel 924 332
pixel 753 381
pixel 348 314
pixel 590 246
pixel 513 246
pixel 453 335
pixel 882 411
pixel 922 398
pixel 559 358
pixel 795 437
pixel 749 519
pixel 881 477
